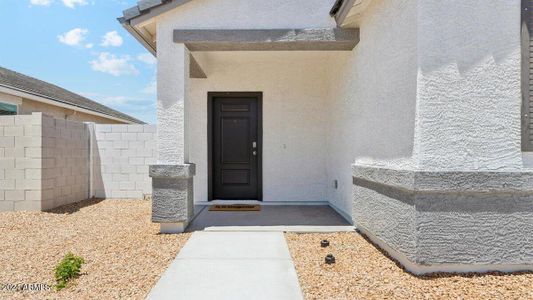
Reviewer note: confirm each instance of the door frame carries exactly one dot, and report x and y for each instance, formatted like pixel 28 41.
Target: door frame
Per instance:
pixel 210 104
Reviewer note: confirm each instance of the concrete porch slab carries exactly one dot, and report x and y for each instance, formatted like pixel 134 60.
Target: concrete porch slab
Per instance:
pixel 294 229
pixel 231 265
pixel 294 218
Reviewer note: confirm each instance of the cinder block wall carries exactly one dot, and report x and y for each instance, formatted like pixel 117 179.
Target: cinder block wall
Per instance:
pixel 65 162
pixel 46 162
pixel 122 156
pixel 20 162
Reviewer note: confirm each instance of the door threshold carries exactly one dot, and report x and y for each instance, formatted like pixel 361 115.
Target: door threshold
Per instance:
pixel 232 202
pixel 256 202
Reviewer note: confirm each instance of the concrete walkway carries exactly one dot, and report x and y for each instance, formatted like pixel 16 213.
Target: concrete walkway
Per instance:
pixel 231 265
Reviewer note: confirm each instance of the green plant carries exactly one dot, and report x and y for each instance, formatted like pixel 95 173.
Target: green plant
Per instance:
pixel 68 268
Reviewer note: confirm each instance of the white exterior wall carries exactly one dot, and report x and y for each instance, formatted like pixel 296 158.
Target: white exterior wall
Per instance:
pixel 407 95
pixel 373 95
pixel 295 145
pixel 243 14
pixel 295 118
pixel 469 92
pixel 173 59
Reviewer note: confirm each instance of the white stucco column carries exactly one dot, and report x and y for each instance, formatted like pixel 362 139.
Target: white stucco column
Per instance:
pixel 172 102
pixel 468 98
pixel 172 177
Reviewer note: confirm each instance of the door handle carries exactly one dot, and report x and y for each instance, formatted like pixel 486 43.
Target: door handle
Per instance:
pixel 254 153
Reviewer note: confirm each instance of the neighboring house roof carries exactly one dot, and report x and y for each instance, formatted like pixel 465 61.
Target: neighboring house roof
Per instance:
pixel 29 85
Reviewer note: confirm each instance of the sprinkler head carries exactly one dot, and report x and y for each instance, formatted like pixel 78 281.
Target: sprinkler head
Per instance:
pixel 324 243
pixel 330 259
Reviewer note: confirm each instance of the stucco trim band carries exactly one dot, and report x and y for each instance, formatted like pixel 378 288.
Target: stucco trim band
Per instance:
pixel 447 181
pixel 173 171
pixel 172 198
pixel 419 269
pixel 322 39
pixel 447 221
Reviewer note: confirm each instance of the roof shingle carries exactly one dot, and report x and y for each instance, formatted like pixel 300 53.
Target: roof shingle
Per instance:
pixel 30 85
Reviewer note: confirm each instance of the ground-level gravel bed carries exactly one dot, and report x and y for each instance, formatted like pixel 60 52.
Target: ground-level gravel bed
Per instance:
pixel 362 271
pixel 123 251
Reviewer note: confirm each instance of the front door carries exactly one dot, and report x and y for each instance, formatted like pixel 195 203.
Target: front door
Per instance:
pixel 236 146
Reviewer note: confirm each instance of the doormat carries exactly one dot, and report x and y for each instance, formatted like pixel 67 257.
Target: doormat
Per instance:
pixel 236 207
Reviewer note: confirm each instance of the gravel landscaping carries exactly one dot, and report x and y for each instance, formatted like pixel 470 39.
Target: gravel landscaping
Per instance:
pixel 362 271
pixel 124 254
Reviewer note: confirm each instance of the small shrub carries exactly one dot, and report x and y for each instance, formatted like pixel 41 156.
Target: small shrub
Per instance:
pixel 68 268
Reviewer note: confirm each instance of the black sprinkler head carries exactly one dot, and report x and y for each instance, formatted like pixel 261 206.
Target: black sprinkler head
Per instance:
pixel 324 243
pixel 330 259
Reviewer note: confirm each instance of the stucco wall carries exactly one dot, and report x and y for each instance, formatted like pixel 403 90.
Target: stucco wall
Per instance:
pixel 295 145
pixel 30 106
pixel 373 95
pixel 245 14
pixel 172 70
pixel 469 101
pixel 295 118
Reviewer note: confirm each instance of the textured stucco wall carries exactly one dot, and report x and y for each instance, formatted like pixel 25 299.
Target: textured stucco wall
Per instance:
pixel 469 101
pixel 467 123
pixel 248 14
pixel 448 218
pixel 388 214
pixel 172 98
pixel 173 59
pixel 373 95
pixel 295 114
pixel 307 177
pixel 474 228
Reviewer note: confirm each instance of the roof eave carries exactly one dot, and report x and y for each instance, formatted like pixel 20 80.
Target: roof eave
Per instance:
pixel 144 40
pixel 341 9
pixel 57 102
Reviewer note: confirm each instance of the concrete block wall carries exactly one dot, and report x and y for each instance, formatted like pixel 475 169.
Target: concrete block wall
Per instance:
pixel 122 156
pixel 21 162
pixel 65 162
pixel 47 162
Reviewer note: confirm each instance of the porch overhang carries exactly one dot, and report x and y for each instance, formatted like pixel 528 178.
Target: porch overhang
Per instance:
pixel 323 39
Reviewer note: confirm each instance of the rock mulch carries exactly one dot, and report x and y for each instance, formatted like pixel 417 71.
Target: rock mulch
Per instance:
pixel 362 271
pixel 124 254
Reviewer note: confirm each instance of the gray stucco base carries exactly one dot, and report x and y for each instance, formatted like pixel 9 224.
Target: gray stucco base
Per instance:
pixel 172 195
pixel 447 221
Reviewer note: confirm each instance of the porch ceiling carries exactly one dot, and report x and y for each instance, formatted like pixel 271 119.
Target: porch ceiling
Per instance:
pixel 326 39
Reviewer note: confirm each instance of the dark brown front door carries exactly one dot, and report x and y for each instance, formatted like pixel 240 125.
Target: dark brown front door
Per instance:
pixel 236 146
